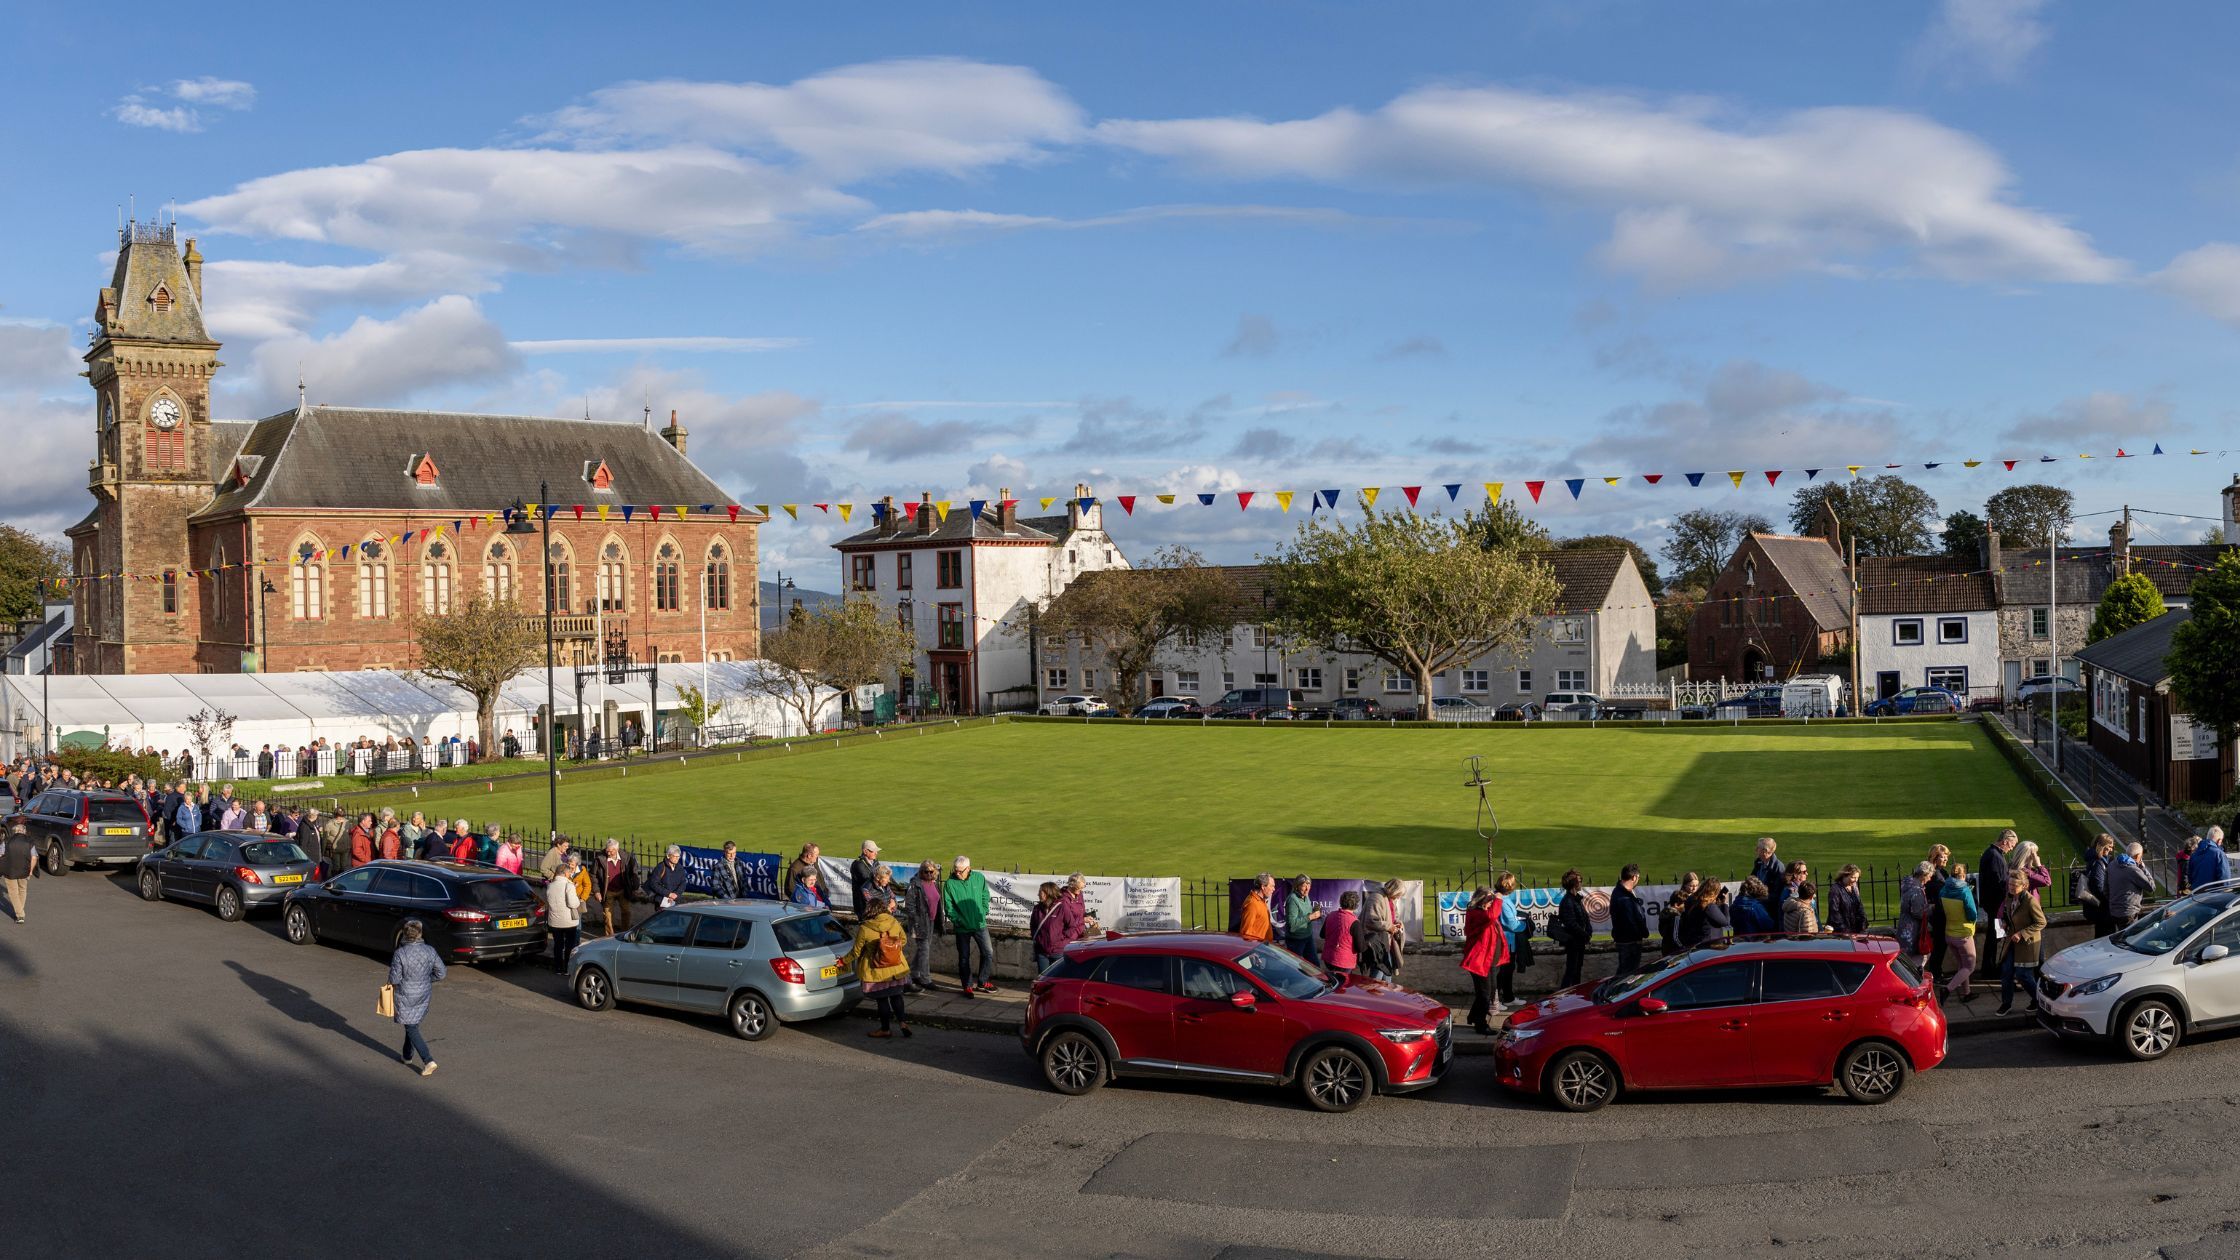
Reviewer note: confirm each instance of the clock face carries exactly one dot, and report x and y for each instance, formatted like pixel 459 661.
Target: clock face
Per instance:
pixel 165 414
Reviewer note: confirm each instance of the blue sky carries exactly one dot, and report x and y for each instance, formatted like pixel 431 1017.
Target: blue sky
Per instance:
pixel 1174 248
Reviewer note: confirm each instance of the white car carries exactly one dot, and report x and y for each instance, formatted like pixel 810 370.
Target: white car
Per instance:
pixel 2176 971
pixel 1073 706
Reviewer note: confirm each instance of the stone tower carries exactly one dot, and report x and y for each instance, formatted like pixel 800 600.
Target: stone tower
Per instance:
pixel 150 367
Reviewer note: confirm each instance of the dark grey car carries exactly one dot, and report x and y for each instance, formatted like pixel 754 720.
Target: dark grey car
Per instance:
pixel 72 828
pixel 236 871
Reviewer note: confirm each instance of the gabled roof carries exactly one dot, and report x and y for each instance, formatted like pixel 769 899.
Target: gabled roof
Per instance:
pixel 2027 577
pixel 2137 653
pixel 1584 581
pixel 1921 584
pixel 148 260
pixel 1811 571
pixel 961 527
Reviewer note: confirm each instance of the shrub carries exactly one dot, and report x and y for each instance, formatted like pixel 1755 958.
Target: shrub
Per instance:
pixel 108 763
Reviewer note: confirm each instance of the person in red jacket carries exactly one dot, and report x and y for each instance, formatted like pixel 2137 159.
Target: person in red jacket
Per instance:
pixel 361 841
pixel 463 844
pixel 390 844
pixel 1485 947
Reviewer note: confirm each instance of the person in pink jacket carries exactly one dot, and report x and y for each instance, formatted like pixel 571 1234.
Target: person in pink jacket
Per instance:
pixel 1337 934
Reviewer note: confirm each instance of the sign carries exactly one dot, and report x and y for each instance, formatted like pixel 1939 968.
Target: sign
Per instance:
pixel 1325 894
pixel 1538 906
pixel 2191 740
pixel 1118 903
pixel 758 872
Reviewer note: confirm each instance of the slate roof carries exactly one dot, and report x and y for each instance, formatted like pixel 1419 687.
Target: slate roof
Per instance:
pixel 1584 580
pixel 961 527
pixel 147 257
pixel 2137 653
pixel 359 458
pixel 2027 577
pixel 1814 573
pixel 1921 584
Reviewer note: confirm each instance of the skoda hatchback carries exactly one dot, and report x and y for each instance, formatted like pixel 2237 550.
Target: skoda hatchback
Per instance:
pixel 1762 1010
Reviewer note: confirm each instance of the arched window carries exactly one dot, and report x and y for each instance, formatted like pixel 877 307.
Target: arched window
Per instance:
pixel 373 578
pixel 308 581
pixel 718 591
pixel 435 578
pixel 558 587
pixel 668 566
pixel 497 573
pixel 614 578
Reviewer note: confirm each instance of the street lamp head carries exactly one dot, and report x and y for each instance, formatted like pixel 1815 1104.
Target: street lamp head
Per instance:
pixel 517 521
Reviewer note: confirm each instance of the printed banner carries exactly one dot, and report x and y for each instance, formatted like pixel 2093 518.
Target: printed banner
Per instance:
pixel 758 872
pixel 1325 894
pixel 1117 903
pixel 1538 906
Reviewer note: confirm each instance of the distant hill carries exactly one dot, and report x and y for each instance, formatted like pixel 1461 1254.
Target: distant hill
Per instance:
pixel 774 612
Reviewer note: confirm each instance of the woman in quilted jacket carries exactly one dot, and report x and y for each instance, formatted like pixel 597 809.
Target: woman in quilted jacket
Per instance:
pixel 881 959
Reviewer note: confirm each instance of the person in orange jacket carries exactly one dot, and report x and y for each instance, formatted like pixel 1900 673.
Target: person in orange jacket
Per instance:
pixel 1254 924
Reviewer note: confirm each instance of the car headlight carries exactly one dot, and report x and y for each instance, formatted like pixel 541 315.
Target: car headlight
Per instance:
pixel 2090 987
pixel 1404 1036
pixel 1518 1035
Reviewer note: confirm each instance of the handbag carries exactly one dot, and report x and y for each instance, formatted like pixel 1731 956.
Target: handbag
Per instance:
pixel 386 1005
pixel 890 951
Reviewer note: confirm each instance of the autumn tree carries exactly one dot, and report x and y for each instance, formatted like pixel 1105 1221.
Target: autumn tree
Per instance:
pixel 1504 524
pixel 1702 540
pixel 30 567
pixel 2130 600
pixel 1963 536
pixel 841 645
pixel 1421 593
pixel 1128 617
pixel 1886 515
pixel 2204 656
pixel 478 647
pixel 2033 515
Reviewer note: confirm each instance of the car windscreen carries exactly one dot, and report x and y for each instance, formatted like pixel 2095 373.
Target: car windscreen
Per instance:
pixel 115 811
pixel 1623 987
pixel 495 894
pixel 271 853
pixel 2172 925
pixel 809 931
pixel 1285 972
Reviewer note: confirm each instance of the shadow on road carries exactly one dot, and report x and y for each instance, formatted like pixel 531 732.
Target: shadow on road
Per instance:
pixel 296 1003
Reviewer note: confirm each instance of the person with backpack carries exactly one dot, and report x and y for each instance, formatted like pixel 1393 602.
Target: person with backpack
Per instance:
pixel 1571 928
pixel 881 961
pixel 1959 929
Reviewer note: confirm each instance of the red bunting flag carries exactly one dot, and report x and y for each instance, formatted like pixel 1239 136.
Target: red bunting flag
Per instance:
pixel 734 510
pixel 1652 478
pixel 1128 504
pixel 579 512
pixel 654 508
pixel 2009 463
pixel 1244 499
pixel 825 508
pixel 1772 475
pixel 1534 488
pixel 1411 492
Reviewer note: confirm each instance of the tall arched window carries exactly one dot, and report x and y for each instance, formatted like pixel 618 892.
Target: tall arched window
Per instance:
pixel 373 578
pixel 558 589
pixel 668 567
pixel 718 591
pixel 435 578
pixel 614 578
pixel 497 573
pixel 308 581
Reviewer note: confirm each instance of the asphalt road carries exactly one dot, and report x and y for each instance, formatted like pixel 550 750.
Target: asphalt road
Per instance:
pixel 172 1085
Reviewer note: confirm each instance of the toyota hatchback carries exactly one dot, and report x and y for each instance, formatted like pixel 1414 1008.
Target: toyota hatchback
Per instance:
pixel 1766 1010
pixel 1210 1006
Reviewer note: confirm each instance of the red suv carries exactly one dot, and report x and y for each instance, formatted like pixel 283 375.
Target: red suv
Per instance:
pixel 1208 1006
pixel 1763 1010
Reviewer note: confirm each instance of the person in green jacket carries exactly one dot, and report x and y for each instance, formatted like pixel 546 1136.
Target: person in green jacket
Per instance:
pixel 1959 929
pixel 964 902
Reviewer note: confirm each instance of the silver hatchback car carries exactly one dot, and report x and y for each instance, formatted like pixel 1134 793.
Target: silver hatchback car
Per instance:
pixel 757 963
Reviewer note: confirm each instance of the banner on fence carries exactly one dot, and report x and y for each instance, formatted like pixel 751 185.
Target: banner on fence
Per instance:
pixel 758 872
pixel 1324 894
pixel 1120 903
pixel 1538 905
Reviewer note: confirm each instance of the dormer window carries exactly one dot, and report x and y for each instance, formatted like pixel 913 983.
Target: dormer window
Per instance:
pixel 598 475
pixel 161 299
pixel 422 469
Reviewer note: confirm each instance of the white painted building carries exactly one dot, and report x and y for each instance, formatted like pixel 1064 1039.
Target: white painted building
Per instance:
pixel 964 582
pixel 1924 621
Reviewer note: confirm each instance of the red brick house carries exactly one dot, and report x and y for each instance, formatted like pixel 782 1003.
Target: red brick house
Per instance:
pixel 1780 607
pixel 311 538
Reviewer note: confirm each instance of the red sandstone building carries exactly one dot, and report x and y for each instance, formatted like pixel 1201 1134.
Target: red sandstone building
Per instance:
pixel 221 545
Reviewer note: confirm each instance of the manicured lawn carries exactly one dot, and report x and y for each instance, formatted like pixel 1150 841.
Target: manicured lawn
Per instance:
pixel 1226 801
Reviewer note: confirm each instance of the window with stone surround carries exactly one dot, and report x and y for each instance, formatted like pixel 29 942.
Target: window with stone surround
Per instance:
pixel 717 590
pixel 435 578
pixel 497 573
pixel 559 585
pixel 614 577
pixel 373 578
pixel 308 582
pixel 668 590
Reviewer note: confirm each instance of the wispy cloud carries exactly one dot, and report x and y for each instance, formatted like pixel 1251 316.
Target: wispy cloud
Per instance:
pixel 630 345
pixel 1256 338
pixel 1989 38
pixel 145 108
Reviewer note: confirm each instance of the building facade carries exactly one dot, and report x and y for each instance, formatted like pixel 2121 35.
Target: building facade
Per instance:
pixel 2137 722
pixel 1779 608
pixel 309 539
pixel 2047 600
pixel 1923 622
pixel 967 584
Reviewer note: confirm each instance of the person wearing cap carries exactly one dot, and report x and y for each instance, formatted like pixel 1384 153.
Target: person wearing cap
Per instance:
pixel 863 872
pixel 15 867
pixel 964 903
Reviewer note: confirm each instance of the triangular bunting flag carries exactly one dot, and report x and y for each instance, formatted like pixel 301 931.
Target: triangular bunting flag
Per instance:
pixel 1853 469
pixel 846 510
pixel 1411 492
pixel 1930 466
pixel 579 511
pixel 1611 481
pixel 1330 499
pixel 2009 463
pixel 825 508
pixel 1085 503
pixel 1736 478
pixel 653 508
pixel 2048 459
pixel 793 510
pixel 1283 499
pixel 1652 478
pixel 1244 499
pixel 1811 474
pixel 1773 475
pixel 603 509
pixel 1047 500
pixel 733 509
pixel 1369 495
pixel 1534 488
pixel 705 507
pixel 1128 504
pixel 1694 479
pixel 1971 463
pixel 1575 485
pixel 1493 491
pixel 977 506
pixel 878 513
pixel 1206 500
pixel 941 510
pixel 1167 499
pixel 627 509
pixel 1454 491
pixel 2158 448
pixel 2082 455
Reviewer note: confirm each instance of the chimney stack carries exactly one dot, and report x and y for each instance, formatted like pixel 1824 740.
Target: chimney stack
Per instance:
pixel 2119 547
pixel 889 523
pixel 1074 511
pixel 193 260
pixel 2232 511
pixel 925 512
pixel 1007 511
pixel 674 435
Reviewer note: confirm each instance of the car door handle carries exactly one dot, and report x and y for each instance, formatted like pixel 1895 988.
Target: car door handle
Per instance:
pixel 1096 1001
pixel 668 958
pixel 1735 1025
pixel 1836 1016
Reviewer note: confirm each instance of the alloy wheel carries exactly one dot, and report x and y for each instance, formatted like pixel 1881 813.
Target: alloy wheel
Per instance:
pixel 1875 1072
pixel 591 989
pixel 1073 1064
pixel 1337 1081
pixel 2152 1030
pixel 1583 1083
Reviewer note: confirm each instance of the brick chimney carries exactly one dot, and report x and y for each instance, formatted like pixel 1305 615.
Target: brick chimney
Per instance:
pixel 925 512
pixel 1007 510
pixel 674 434
pixel 2232 510
pixel 2119 548
pixel 1991 561
pixel 889 523
pixel 193 259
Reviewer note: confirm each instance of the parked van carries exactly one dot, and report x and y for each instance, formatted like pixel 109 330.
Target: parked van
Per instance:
pixel 1812 696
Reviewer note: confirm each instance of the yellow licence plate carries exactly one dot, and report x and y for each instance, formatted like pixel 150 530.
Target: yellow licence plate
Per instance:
pixel 513 923
pixel 287 879
pixel 116 831
pixel 829 972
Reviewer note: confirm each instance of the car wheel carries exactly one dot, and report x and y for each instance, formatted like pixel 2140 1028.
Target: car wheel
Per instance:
pixel 1073 1063
pixel 54 863
pixel 1872 1072
pixel 151 889
pixel 751 1016
pixel 593 990
pixel 1336 1079
pixel 231 907
pixel 2149 1030
pixel 1582 1081
pixel 297 924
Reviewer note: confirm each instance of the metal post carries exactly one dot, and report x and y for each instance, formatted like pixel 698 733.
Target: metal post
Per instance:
pixel 551 704
pixel 2053 628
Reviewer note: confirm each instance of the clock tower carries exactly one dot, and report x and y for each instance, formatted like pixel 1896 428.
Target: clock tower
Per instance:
pixel 150 366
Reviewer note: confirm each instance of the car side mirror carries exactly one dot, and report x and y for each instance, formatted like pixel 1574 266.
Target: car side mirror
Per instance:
pixel 1243 1000
pixel 1653 1006
pixel 2212 953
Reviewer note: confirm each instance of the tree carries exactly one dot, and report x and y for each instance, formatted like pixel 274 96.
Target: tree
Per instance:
pixel 1129 616
pixel 1505 525
pixel 1702 540
pixel 2204 656
pixel 2130 600
pixel 2213 536
pixel 1886 515
pixel 1964 533
pixel 1421 593
pixel 478 647
pixel 30 568
pixel 2032 515
pixel 700 708
pixel 1675 613
pixel 846 644
pixel 1615 542
pixel 208 730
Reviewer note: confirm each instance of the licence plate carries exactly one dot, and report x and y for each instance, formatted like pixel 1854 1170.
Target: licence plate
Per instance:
pixel 116 831
pixel 287 879
pixel 829 972
pixel 513 923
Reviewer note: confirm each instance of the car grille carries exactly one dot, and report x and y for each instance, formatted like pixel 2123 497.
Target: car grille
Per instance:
pixel 2051 989
pixel 1445 1035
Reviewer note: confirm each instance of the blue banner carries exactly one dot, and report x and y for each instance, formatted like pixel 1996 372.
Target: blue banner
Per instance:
pixel 758 872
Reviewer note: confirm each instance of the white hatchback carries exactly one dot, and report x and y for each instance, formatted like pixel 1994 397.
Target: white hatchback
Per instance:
pixel 2174 972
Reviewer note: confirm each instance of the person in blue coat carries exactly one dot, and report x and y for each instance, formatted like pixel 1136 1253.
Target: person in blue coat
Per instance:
pixel 1751 918
pixel 2209 863
pixel 414 971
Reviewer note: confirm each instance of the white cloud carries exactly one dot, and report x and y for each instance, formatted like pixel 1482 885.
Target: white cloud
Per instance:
pixel 925 224
pixel 2091 419
pixel 255 299
pixel 136 109
pixel 1692 192
pixel 998 472
pixel 211 90
pixel 376 362
pixel 1745 414
pixel 2207 279
pixel 134 112
pixel 50 426
pixel 1993 38
pixel 610 345
pixel 891 436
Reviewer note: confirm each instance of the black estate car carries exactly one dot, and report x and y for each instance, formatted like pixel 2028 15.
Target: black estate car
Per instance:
pixel 470 913
pixel 72 828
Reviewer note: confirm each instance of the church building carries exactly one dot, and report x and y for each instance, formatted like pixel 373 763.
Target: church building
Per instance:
pixel 311 539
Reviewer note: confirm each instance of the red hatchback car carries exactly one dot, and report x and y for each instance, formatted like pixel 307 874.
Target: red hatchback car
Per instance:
pixel 1761 1010
pixel 1208 1006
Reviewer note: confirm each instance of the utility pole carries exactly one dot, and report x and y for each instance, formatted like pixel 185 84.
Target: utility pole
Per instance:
pixel 1854 541
pixel 2053 618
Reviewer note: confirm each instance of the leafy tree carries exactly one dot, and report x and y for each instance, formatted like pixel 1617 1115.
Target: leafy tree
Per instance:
pixel 1503 524
pixel 1129 616
pixel 478 647
pixel 2130 600
pixel 1675 612
pixel 2213 536
pixel 29 568
pixel 844 644
pixel 1888 515
pixel 1702 541
pixel 1964 533
pixel 2204 657
pixel 2031 515
pixel 208 730
pixel 1421 593
pixel 1611 542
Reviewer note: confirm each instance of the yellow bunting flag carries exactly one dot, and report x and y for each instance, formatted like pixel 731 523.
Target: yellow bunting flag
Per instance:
pixel 679 510
pixel 1369 495
pixel 1736 478
pixel 1283 499
pixel 1611 481
pixel 603 511
pixel 941 509
pixel 762 509
pixel 1853 469
pixel 1167 499
pixel 1048 501
pixel 1970 463
pixel 1493 492
pixel 792 509
pixel 846 509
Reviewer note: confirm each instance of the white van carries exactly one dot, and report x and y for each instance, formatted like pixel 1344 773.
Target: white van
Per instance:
pixel 1812 696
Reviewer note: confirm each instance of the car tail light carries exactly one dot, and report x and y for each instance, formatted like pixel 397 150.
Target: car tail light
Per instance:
pixel 247 875
pixel 79 828
pixel 458 915
pixel 789 971
pixel 1919 999
pixel 538 909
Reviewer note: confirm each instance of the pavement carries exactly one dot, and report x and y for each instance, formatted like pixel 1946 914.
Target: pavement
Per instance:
pixel 172 1085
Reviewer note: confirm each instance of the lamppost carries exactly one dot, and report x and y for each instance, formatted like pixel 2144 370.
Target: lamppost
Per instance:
pixel 264 630
pixel 518 526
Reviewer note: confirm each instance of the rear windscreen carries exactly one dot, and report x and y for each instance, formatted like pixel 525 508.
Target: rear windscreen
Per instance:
pixel 116 811
pixel 810 931
pixel 271 853
pixel 495 894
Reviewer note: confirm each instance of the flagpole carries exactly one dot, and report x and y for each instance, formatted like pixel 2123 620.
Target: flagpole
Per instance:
pixel 704 715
